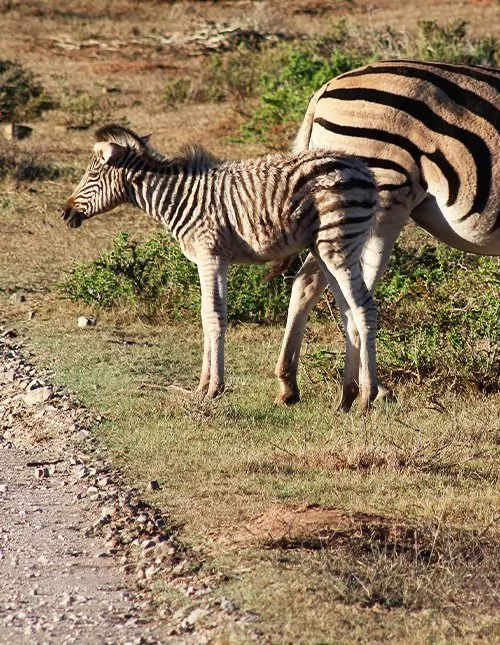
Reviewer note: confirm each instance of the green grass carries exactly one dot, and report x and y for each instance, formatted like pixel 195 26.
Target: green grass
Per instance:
pixel 427 464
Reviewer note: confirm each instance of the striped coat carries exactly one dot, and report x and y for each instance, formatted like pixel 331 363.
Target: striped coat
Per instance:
pixel 250 211
pixel 430 132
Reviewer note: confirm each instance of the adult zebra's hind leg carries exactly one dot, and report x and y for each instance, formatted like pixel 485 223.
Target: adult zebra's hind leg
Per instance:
pixel 308 287
pixel 309 284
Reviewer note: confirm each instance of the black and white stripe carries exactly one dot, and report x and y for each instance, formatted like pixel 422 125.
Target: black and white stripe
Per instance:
pixel 250 211
pixel 430 132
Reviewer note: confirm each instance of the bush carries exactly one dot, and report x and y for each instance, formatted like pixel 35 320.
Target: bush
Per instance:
pixel 439 308
pixel 451 43
pixel 156 280
pixel 440 316
pixel 284 95
pixel 20 165
pixel 82 109
pixel 21 96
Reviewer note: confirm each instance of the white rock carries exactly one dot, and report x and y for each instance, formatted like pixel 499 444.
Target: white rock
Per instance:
pixel 86 321
pixel 38 395
pixel 195 615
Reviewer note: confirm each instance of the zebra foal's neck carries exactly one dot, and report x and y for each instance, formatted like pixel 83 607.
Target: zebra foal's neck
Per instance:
pixel 174 191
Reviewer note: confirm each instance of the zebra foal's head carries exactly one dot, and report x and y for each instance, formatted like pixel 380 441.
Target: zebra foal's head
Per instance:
pixel 103 186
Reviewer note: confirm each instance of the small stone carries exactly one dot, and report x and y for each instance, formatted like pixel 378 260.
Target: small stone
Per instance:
pixel 180 568
pixel 81 472
pixel 228 605
pixel 18 297
pixel 103 554
pixel 153 485
pixel 148 544
pixel 38 395
pixel 42 473
pixel 3 488
pixel 67 600
pixel 108 511
pixel 86 321
pixel 149 572
pixel 196 615
pixel 17 131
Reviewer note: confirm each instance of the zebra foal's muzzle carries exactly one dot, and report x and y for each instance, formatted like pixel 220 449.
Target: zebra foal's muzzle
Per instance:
pixel 73 218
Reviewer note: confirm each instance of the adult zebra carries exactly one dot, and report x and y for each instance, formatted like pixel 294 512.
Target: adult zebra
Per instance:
pixel 430 132
pixel 248 211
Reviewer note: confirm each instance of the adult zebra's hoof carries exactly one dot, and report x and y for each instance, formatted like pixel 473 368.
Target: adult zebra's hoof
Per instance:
pixel 289 395
pixel 385 394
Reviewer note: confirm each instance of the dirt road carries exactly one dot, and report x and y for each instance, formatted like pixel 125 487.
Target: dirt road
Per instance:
pixel 79 551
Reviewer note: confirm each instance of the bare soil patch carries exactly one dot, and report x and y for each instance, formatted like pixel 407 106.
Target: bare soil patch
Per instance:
pixel 315 527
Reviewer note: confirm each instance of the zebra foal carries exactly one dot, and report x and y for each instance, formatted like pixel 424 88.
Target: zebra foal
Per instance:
pixel 430 133
pixel 251 211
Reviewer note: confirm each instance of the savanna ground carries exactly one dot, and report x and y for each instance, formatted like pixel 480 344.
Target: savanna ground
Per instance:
pixel 328 527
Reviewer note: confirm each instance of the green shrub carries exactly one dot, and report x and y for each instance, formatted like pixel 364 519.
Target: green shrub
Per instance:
pixel 178 91
pixel 155 280
pixel 285 94
pixel 451 43
pixel 82 109
pixel 22 97
pixel 440 316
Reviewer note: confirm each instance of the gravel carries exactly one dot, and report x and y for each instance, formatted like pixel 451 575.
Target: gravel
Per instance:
pixel 81 554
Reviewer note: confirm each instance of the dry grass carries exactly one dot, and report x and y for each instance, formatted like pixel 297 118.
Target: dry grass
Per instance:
pixel 421 476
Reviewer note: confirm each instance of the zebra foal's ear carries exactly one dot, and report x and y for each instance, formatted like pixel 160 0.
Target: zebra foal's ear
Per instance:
pixel 108 152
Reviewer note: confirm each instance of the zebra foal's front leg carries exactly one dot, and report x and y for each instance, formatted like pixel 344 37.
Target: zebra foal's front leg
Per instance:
pixel 213 283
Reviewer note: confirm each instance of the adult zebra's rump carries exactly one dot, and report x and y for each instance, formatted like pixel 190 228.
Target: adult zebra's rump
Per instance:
pixel 250 211
pixel 430 132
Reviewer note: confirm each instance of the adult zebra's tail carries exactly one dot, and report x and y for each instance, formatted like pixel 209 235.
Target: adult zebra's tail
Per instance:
pixel 303 139
pixel 301 142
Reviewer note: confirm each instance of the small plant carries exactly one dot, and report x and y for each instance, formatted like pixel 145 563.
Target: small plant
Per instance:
pixel 156 280
pixel 22 97
pixel 178 91
pixel 440 316
pixel 21 166
pixel 82 109
pixel 284 95
pixel 451 43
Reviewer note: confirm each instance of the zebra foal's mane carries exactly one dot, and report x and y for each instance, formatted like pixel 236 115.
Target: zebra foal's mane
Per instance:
pixel 192 156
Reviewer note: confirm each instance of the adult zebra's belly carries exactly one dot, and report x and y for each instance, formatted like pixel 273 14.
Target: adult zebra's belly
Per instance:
pixel 484 240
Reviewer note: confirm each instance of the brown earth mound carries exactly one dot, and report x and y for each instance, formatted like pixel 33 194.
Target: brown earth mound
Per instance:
pixel 314 527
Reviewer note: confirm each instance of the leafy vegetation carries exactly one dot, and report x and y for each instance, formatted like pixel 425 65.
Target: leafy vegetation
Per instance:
pixel 21 95
pixel 440 316
pixel 156 280
pixel 20 165
pixel 83 109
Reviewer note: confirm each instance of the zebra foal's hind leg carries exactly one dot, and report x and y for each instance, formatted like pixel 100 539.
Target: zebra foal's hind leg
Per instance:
pixel 359 316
